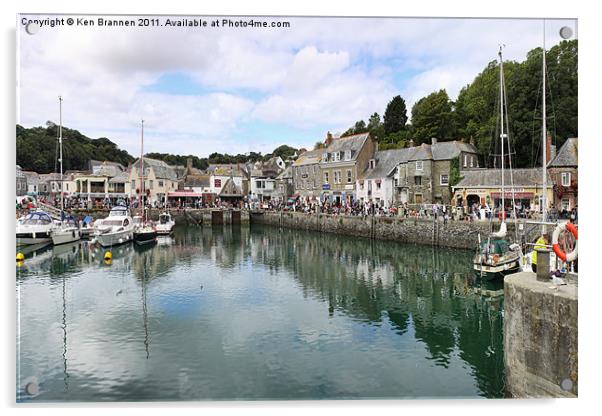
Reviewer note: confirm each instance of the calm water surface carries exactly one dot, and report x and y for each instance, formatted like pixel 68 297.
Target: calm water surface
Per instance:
pixel 255 314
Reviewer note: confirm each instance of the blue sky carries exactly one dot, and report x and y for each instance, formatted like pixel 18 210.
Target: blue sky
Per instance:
pixel 236 90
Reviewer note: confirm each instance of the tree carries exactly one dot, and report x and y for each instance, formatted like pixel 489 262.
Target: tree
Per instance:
pixel 432 116
pixel 396 116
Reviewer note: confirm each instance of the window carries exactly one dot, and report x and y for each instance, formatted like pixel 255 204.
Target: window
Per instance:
pixel 337 176
pixel 347 154
pixel 324 157
pixel 465 160
pixel 349 176
pixel 217 183
pixel 419 165
pixel 471 161
pixel 396 182
pixel 361 185
pixel 444 180
pixel 160 184
pixel 566 178
pixel 378 186
pixel 418 180
pixel 325 177
pixel 371 163
pixel 336 156
pixel 151 184
pixel 566 204
pixel 67 186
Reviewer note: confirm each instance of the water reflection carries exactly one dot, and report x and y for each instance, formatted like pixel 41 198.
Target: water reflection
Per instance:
pixel 261 313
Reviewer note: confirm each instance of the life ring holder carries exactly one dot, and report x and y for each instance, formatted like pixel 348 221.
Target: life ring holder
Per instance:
pixel 570 227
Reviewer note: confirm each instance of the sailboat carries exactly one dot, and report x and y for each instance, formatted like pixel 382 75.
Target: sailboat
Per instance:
pixel 68 230
pixel 495 257
pixel 144 230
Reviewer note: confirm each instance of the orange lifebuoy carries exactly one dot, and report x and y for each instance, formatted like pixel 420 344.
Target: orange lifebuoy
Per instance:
pixel 496 258
pixel 570 227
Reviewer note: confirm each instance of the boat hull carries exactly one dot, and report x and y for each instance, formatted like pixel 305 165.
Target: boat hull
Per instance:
pixel 28 238
pixel 65 236
pixel 145 238
pixel 489 272
pixel 115 238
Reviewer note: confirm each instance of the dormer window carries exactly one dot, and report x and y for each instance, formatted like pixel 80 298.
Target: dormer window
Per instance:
pixel 324 157
pixel 336 156
pixel 371 163
pixel 347 154
pixel 419 165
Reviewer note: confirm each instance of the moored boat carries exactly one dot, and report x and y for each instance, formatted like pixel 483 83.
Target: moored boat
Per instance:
pixel 165 224
pixel 67 232
pixel 35 228
pixel 117 228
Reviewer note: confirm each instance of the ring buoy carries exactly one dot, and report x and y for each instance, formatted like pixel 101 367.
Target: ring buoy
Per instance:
pixel 496 258
pixel 570 227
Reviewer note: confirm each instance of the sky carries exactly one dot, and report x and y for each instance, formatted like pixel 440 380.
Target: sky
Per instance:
pixel 234 90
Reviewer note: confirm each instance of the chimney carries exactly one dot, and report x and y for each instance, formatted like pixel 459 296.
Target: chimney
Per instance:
pixel 433 140
pixel 411 143
pixel 548 145
pixel 471 140
pixel 189 163
pixel 328 139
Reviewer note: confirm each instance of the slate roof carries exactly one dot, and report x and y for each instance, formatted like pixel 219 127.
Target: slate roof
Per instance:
pixel 567 155
pixel 451 149
pixel 197 181
pixel 106 168
pixel 386 161
pixel 33 178
pixel 309 158
pixel 422 152
pixel 121 177
pixel 353 143
pixel 230 189
pixel 286 174
pixel 487 178
pixel 227 169
pixel 162 170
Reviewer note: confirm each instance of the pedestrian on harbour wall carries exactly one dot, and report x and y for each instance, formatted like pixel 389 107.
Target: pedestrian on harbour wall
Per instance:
pixel 542 242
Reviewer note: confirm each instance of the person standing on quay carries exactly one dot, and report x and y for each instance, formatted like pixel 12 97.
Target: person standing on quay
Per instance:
pixel 542 242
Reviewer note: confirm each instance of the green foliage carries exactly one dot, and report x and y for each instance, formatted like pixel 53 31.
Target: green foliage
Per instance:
pixel 396 115
pixel 433 116
pixel 319 145
pixel 454 172
pixel 199 163
pixel 284 151
pixel 37 149
pixel 477 106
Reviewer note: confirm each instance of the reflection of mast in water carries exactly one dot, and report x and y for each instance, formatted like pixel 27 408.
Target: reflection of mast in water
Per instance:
pixel 144 308
pixel 65 373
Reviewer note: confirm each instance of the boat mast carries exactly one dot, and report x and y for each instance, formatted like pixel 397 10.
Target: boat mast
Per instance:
pixel 544 133
pixel 61 150
pixel 141 169
pixel 502 129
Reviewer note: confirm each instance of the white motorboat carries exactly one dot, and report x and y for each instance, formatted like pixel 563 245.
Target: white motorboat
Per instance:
pixel 67 232
pixel 144 231
pixel 117 228
pixel 165 224
pixel 35 228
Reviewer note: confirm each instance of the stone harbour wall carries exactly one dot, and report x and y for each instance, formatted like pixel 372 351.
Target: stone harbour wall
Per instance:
pixel 454 234
pixel 540 337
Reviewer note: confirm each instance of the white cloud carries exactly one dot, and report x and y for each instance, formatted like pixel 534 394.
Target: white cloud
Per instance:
pixel 320 72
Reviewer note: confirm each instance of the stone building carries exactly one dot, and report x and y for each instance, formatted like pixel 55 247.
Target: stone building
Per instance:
pixel 33 182
pixel 483 187
pixel 343 159
pixel 284 185
pixel 307 176
pixel 425 176
pixel 563 170
pixel 21 184
pixel 159 179
pixel 377 182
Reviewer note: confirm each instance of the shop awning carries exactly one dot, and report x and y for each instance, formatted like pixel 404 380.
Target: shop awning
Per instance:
pixel 517 195
pixel 184 194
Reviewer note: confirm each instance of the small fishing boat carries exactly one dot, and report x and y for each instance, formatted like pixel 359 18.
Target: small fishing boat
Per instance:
pixel 117 228
pixel 144 230
pixel 165 224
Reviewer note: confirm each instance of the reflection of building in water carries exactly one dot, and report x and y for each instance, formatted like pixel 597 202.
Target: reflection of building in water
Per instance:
pixel 427 291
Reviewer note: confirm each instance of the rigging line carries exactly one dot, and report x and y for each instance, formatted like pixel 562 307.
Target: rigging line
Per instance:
pixel 505 92
pixel 552 103
pixel 533 153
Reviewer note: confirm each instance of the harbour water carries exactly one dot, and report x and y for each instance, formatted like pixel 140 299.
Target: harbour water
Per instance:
pixel 260 313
